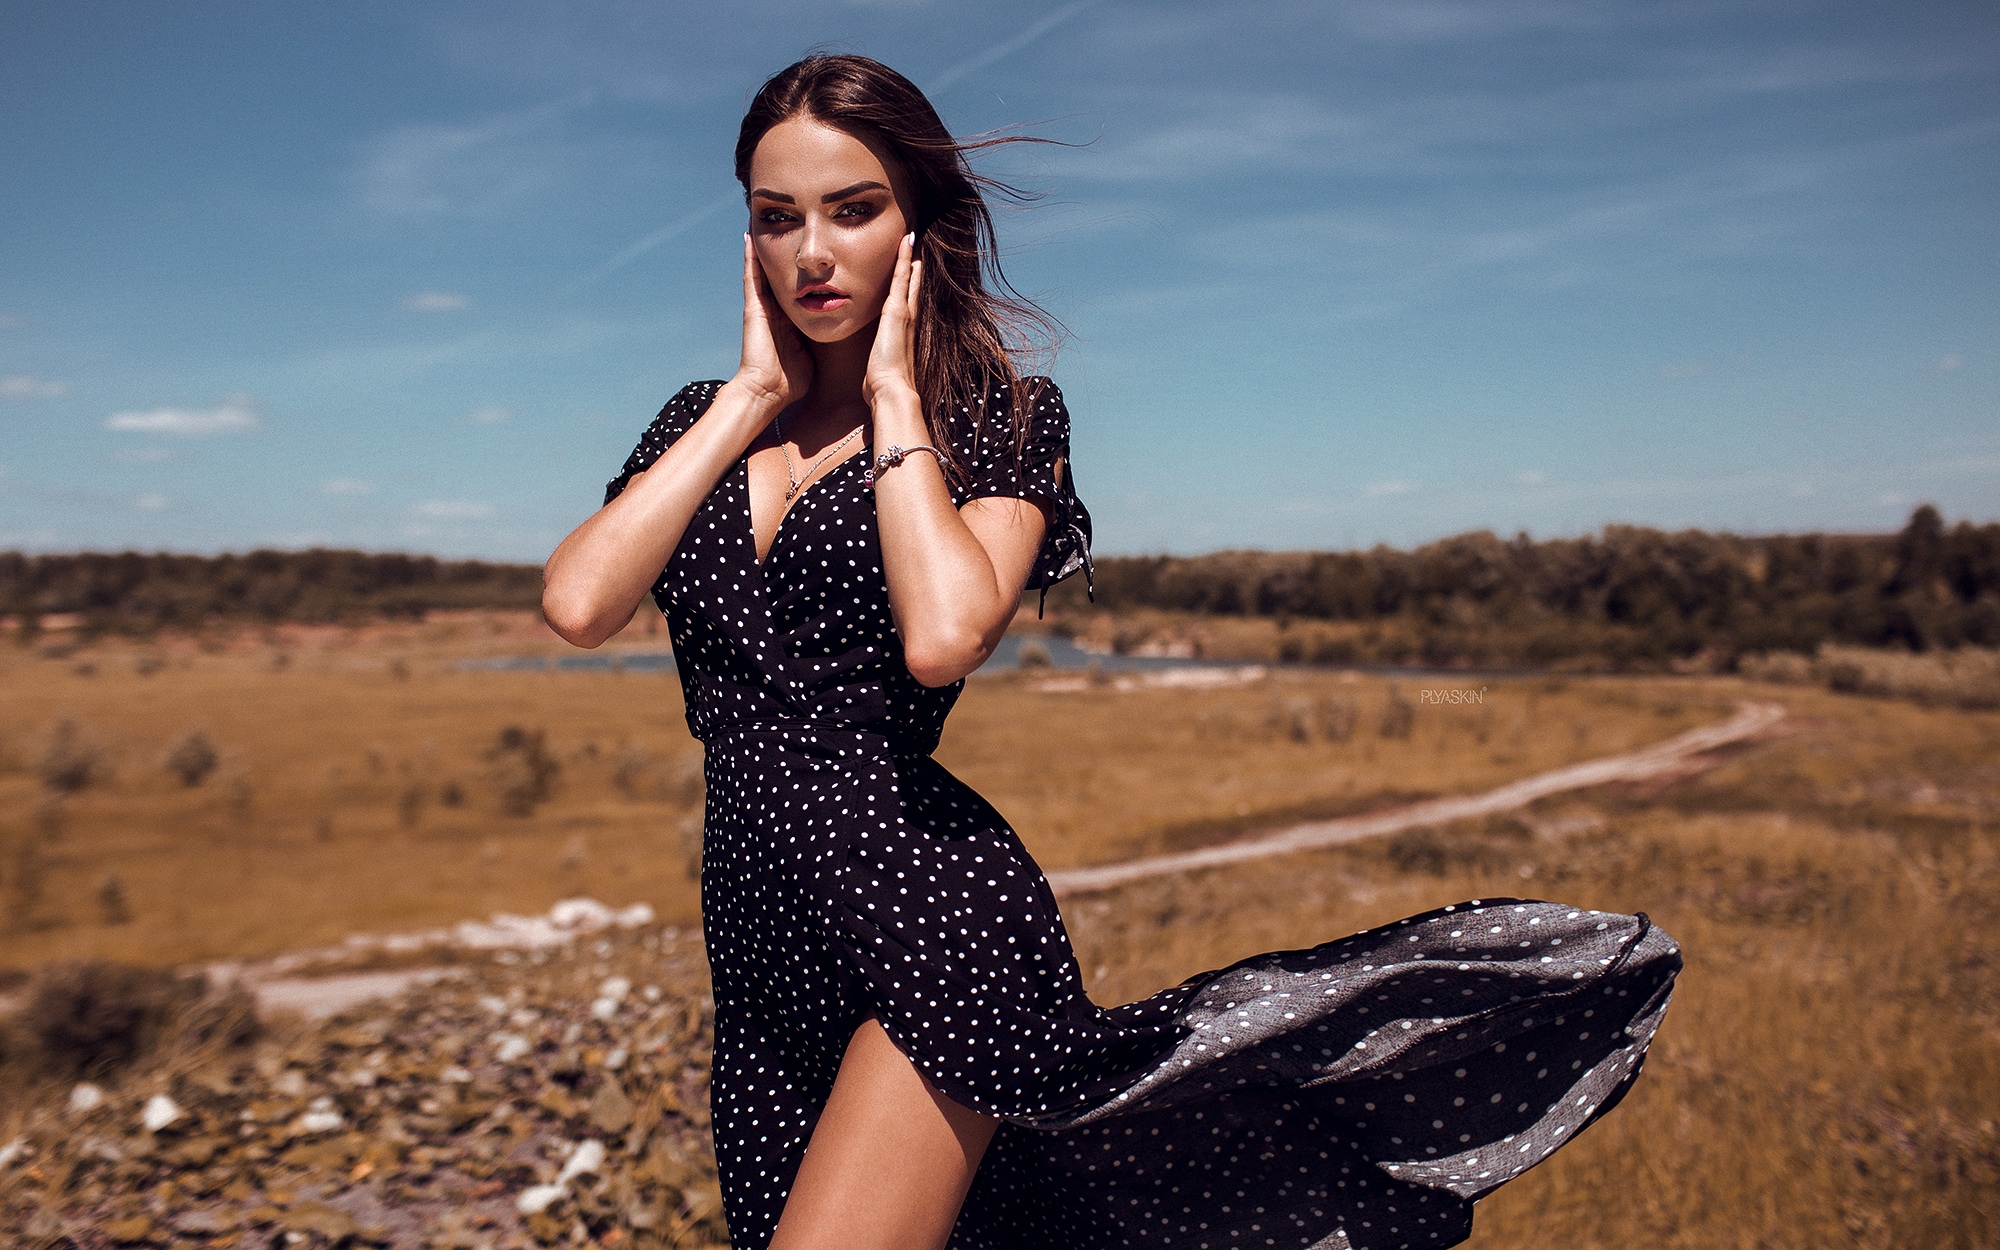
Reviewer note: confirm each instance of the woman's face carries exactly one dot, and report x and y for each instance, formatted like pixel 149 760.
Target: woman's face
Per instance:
pixel 827 212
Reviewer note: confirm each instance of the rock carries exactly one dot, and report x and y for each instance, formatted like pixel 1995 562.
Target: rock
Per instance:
pixel 611 1110
pixel 586 1160
pixel 436 1113
pixel 318 1217
pixel 209 1220
pixel 131 1229
pixel 638 915
pixel 538 1198
pixel 160 1111
pixel 321 1117
pixel 85 1098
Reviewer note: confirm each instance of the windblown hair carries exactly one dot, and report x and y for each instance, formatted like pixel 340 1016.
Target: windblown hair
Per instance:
pixel 972 325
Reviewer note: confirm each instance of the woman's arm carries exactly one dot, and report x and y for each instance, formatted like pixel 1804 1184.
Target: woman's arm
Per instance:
pixel 955 574
pixel 598 576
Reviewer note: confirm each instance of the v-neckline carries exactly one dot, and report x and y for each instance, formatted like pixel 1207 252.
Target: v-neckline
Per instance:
pixel 798 501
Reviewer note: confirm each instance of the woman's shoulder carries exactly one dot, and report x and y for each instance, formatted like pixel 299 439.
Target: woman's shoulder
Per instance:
pixel 1021 410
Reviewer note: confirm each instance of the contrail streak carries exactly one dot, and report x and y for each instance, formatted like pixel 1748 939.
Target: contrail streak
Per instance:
pixel 1009 46
pixel 672 229
pixel 971 65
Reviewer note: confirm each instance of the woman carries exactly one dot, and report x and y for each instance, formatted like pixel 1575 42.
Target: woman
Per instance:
pixel 904 1054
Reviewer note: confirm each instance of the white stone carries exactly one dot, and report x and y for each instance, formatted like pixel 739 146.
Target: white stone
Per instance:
pixel 586 1159
pixel 586 914
pixel 321 1117
pixel 84 1098
pixel 537 1198
pixel 507 1047
pixel 159 1112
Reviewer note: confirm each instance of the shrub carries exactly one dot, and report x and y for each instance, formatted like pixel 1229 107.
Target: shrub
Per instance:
pixel 71 763
pixel 524 769
pixel 111 900
pixel 1399 716
pixel 193 758
pixel 84 1019
pixel 88 1017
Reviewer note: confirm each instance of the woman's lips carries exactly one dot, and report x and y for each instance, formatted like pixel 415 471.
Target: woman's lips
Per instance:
pixel 823 299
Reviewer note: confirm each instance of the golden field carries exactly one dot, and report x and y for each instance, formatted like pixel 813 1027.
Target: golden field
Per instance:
pixel 358 783
pixel 1829 1074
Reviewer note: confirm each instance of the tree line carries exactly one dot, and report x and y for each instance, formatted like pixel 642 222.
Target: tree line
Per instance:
pixel 1629 596
pixel 137 593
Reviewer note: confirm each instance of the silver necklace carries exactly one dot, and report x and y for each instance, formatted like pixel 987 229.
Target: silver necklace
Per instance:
pixel 799 483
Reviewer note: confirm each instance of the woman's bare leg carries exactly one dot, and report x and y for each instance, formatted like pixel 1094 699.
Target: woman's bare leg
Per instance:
pixel 889 1162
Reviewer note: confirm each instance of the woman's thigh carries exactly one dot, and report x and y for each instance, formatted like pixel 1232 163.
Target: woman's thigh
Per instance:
pixel 889 1162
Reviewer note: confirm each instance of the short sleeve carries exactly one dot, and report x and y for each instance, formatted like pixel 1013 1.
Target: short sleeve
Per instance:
pixel 682 411
pixel 1039 472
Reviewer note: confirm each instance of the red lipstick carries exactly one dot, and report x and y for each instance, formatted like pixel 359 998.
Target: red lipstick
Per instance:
pixel 819 297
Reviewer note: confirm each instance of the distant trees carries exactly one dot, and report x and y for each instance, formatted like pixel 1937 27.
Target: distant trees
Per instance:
pixel 134 593
pixel 1629 596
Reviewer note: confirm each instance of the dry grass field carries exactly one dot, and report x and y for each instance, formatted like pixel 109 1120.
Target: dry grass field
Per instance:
pixel 1829 1074
pixel 371 787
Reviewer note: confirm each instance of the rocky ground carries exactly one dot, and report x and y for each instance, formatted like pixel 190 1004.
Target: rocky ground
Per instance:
pixel 555 1096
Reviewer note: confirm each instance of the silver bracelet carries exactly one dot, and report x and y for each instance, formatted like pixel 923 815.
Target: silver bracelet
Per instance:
pixel 895 456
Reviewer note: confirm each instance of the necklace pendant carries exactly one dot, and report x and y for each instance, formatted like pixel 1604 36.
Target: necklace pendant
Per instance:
pixel 791 493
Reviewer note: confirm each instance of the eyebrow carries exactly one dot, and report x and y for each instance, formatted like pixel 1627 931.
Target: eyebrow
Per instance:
pixel 844 193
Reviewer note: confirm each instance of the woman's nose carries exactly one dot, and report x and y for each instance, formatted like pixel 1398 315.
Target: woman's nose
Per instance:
pixel 814 256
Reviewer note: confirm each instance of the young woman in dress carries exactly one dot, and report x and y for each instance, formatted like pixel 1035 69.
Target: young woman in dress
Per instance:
pixel 905 1057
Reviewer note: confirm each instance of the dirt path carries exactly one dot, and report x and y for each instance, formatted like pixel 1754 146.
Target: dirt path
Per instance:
pixel 1662 759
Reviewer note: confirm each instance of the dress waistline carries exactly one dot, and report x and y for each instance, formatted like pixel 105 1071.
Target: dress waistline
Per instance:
pixel 822 733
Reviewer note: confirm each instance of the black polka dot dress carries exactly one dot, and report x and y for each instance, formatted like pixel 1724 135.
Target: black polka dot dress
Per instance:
pixel 1357 1094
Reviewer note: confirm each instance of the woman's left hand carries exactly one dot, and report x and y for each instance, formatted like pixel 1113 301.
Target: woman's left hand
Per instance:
pixel 892 361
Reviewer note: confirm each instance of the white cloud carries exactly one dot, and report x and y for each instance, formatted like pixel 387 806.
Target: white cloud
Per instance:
pixel 347 486
pixel 1379 490
pixel 1531 477
pixel 1945 364
pixel 233 416
pixel 488 416
pixel 454 510
pixel 28 386
pixel 151 502
pixel 436 301
pixel 144 455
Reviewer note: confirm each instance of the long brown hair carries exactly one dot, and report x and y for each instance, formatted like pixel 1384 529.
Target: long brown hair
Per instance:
pixel 972 324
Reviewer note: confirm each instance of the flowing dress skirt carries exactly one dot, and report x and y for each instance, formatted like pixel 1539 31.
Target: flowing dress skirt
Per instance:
pixel 1360 1093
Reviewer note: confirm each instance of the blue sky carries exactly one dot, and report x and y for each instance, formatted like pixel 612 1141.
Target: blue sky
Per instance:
pixel 414 275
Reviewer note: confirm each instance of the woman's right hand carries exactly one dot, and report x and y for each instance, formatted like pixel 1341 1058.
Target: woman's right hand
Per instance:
pixel 776 365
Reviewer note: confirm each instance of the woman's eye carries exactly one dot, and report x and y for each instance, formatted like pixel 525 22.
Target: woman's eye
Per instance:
pixel 857 209
pixel 774 217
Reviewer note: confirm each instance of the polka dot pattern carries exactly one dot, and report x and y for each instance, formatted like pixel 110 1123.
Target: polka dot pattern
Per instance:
pixel 1358 1094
